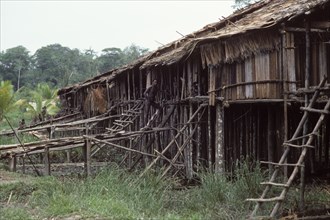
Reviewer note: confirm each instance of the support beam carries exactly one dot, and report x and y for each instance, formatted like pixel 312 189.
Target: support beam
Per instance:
pixel 189 148
pixel 12 163
pixel 46 161
pixel 284 70
pixel 23 164
pixel 209 137
pixel 305 128
pixel 219 141
pixel 270 138
pixel 87 157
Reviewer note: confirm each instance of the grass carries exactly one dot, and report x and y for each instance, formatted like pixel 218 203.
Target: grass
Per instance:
pixel 117 194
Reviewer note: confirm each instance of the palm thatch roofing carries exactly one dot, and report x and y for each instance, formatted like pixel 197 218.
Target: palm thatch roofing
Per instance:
pixel 255 17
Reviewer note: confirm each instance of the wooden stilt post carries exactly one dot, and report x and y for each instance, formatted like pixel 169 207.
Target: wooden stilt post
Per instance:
pixel 188 149
pixel 211 82
pixel 219 141
pixel 46 161
pixel 12 163
pixel 209 139
pixel 270 138
pixel 326 146
pixel 23 164
pixel 87 154
pixel 284 75
pixel 68 159
pixel 87 157
pixel 305 129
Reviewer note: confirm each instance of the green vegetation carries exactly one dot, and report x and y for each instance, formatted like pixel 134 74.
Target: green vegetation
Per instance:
pixel 25 103
pixel 117 194
pixel 242 3
pixel 60 66
pixel 6 98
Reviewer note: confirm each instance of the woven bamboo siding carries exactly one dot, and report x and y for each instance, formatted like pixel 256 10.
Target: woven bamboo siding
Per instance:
pixel 257 77
pixel 249 66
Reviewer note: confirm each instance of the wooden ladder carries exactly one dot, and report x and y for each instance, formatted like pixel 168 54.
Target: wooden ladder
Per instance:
pixel 288 145
pixel 127 118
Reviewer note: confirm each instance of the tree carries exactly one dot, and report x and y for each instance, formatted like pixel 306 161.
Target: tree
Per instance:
pixel 6 98
pixel 14 62
pixel 110 58
pixel 242 3
pixel 133 52
pixel 42 96
pixel 115 57
pixel 56 64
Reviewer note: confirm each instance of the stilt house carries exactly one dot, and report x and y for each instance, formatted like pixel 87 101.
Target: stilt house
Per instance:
pixel 231 90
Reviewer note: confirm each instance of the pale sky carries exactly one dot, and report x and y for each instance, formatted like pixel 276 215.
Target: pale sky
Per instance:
pixel 103 24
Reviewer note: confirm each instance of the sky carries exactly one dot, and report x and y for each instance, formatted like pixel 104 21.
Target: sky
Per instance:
pixel 102 24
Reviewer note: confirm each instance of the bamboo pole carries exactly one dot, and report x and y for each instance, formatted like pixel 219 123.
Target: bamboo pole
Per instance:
pixel 305 129
pixel 188 149
pixel 287 150
pixel 180 149
pixel 118 146
pixel 21 144
pixel 284 70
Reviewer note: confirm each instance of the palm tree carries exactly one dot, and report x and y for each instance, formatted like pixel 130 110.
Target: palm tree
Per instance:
pixel 6 98
pixel 43 96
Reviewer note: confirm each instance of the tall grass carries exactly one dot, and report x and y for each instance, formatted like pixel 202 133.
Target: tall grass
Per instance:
pixel 117 194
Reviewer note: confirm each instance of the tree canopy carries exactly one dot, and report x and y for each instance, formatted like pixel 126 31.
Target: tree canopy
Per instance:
pixel 60 66
pixel 242 3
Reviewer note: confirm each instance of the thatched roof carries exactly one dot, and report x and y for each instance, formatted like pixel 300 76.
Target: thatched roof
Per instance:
pixel 215 38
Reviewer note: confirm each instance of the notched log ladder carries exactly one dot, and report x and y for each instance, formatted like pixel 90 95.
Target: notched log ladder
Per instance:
pixel 292 143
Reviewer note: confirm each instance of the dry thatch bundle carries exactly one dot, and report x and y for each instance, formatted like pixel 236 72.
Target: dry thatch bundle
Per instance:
pixel 95 102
